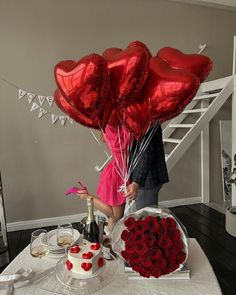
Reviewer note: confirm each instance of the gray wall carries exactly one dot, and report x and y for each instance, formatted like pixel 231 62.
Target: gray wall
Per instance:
pixel 40 161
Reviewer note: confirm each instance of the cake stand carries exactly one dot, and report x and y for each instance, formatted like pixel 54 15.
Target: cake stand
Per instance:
pixel 86 285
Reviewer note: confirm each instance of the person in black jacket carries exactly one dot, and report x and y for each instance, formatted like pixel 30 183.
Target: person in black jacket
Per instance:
pixel 150 173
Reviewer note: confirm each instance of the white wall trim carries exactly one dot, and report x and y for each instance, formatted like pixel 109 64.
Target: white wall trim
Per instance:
pixel 39 223
pixel 181 202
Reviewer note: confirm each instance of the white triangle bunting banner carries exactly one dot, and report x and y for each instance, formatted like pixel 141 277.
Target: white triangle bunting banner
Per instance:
pixel 54 118
pixel 41 99
pixel 50 100
pixel 30 97
pixel 42 112
pixel 62 120
pixel 34 106
pixel 21 93
pixel 70 120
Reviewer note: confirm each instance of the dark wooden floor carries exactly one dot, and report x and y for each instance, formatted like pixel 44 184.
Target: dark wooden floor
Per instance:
pixel 203 223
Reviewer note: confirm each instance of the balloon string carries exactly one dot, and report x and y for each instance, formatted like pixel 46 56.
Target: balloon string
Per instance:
pixel 97 140
pixel 121 152
pixel 136 152
pixel 142 149
pixel 146 144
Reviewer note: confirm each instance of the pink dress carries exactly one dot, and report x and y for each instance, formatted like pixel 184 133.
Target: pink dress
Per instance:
pixel 112 177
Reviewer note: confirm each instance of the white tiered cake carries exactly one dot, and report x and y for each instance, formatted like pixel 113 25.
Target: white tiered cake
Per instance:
pixel 85 260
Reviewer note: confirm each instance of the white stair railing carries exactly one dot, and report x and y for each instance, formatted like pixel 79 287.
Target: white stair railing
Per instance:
pixel 211 96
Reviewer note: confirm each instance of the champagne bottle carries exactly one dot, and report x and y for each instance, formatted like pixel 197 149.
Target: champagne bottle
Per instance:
pixel 91 230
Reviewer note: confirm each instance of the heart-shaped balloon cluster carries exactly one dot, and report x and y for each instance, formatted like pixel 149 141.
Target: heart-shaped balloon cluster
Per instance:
pixel 129 87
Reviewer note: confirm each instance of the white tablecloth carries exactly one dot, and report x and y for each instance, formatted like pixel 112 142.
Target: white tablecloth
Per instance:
pixel 202 281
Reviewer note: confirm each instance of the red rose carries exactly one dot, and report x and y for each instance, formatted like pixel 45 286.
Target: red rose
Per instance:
pixel 166 271
pixel 155 253
pixel 172 254
pixel 146 261
pixel 125 255
pixel 169 222
pixel 142 248
pixel 176 235
pixel 136 266
pixel 138 237
pixel 155 271
pixel 134 257
pixel 165 242
pixel 181 257
pixel 160 263
pixel 125 235
pixel 152 223
pixel 130 247
pixel 130 222
pixel 162 230
pixel 141 226
pixel 150 240
pixel 179 245
pixel 173 266
pixel 144 272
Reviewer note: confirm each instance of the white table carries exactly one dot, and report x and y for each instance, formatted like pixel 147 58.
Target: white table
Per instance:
pixel 203 280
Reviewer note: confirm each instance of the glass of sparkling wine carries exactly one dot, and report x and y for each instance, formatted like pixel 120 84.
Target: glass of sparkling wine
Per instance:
pixel 39 243
pixel 65 235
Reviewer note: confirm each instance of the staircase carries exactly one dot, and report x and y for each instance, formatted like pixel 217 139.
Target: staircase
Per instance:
pixel 180 132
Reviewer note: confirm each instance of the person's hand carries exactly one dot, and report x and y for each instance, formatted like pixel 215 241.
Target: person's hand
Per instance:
pixel 132 191
pixel 83 194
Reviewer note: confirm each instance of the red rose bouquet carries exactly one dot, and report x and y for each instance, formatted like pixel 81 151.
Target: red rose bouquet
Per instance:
pixel 152 241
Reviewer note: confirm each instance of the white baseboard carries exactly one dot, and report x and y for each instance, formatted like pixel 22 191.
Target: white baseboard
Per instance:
pixel 181 202
pixel 39 223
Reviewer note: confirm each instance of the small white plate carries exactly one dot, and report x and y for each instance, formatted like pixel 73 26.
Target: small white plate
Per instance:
pixel 52 241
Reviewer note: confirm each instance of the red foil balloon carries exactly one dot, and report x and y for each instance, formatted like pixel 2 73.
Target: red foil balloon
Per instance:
pixel 198 64
pixel 136 118
pixel 84 84
pixel 168 90
pixel 128 72
pixel 139 44
pixel 74 114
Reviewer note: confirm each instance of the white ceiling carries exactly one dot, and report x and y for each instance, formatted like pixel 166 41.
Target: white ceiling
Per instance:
pixel 223 4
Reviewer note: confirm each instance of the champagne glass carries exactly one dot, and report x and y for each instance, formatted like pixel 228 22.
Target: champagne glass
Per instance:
pixel 65 235
pixel 39 243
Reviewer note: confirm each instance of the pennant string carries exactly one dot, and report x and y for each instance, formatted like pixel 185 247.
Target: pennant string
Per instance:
pixel 30 96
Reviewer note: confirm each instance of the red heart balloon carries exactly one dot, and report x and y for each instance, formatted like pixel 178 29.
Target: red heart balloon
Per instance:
pixel 75 114
pixel 136 118
pixel 139 44
pixel 168 90
pixel 198 64
pixel 128 72
pixel 84 83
